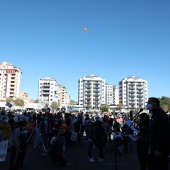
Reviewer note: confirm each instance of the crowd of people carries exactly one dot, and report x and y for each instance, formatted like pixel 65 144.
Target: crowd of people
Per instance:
pixel 52 132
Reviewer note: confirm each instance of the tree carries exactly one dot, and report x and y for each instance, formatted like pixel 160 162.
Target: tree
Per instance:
pixel 88 106
pixel 19 102
pixel 165 103
pixel 104 108
pixel 9 99
pixel 55 105
pixel 120 106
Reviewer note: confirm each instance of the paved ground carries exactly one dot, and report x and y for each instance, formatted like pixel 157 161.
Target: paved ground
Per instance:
pixel 76 156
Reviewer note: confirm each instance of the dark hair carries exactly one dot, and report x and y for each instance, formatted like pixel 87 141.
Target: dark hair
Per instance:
pixel 155 100
pixel 145 116
pixel 21 123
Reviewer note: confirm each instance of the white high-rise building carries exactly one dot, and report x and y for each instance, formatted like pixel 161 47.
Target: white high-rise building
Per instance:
pixel 133 92
pixel 10 80
pixel 91 91
pixel 48 91
pixel 112 95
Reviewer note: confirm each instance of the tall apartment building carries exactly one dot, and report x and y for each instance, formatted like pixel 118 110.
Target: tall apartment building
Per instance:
pixel 64 96
pixel 112 95
pixel 49 90
pixel 91 91
pixel 133 92
pixel 10 80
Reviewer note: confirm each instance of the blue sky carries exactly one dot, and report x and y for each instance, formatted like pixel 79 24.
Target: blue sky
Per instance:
pixel 45 38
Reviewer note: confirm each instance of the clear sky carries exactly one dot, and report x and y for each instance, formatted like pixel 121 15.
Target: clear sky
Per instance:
pixel 45 38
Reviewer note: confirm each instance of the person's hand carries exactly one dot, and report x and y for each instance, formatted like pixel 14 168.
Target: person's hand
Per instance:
pixel 157 153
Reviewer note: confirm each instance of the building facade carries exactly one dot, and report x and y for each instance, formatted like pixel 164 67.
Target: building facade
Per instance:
pixel 91 91
pixel 112 95
pixel 133 92
pixel 49 90
pixel 10 80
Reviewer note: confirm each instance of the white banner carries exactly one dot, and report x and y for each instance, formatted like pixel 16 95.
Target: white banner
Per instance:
pixel 3 150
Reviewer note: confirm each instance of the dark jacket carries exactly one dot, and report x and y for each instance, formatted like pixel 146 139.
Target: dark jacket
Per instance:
pixel 99 136
pixel 159 132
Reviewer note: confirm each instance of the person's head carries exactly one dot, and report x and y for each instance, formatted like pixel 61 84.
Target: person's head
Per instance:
pixel 5 119
pixel 21 124
pixel 144 119
pixel 92 124
pixel 153 103
pixel 106 118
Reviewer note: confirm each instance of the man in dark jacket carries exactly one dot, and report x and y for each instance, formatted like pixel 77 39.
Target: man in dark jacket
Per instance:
pixel 99 139
pixel 159 136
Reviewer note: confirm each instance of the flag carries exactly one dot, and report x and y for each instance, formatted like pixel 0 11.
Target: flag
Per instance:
pixel 8 104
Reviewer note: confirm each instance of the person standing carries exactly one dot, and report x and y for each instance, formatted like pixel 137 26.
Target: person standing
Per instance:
pixel 143 140
pixel 159 136
pixel 5 128
pixel 90 138
pixel 13 145
pixel 23 145
pixel 99 139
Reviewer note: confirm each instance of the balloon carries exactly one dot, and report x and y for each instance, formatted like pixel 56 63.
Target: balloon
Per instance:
pixel 85 29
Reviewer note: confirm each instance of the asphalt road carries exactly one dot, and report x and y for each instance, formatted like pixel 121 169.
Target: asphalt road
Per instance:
pixel 76 157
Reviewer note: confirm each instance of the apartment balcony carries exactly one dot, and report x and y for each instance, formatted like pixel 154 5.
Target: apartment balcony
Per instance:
pixel 96 86
pixel 88 83
pixel 45 88
pixel 131 100
pixel 131 96
pixel 87 98
pixel 96 83
pixel 13 76
pixel 88 90
pixel 96 91
pixel 140 100
pixel 131 92
pixel 139 85
pixel 88 87
pixel 87 103
pixel 96 99
pixel 96 95
pixel 132 104
pixel 132 84
pixel 139 88
pixel 12 88
pixel 88 95
pixel 139 96
pixel 43 92
pixel 46 85
pixel 131 88
pixel 139 92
